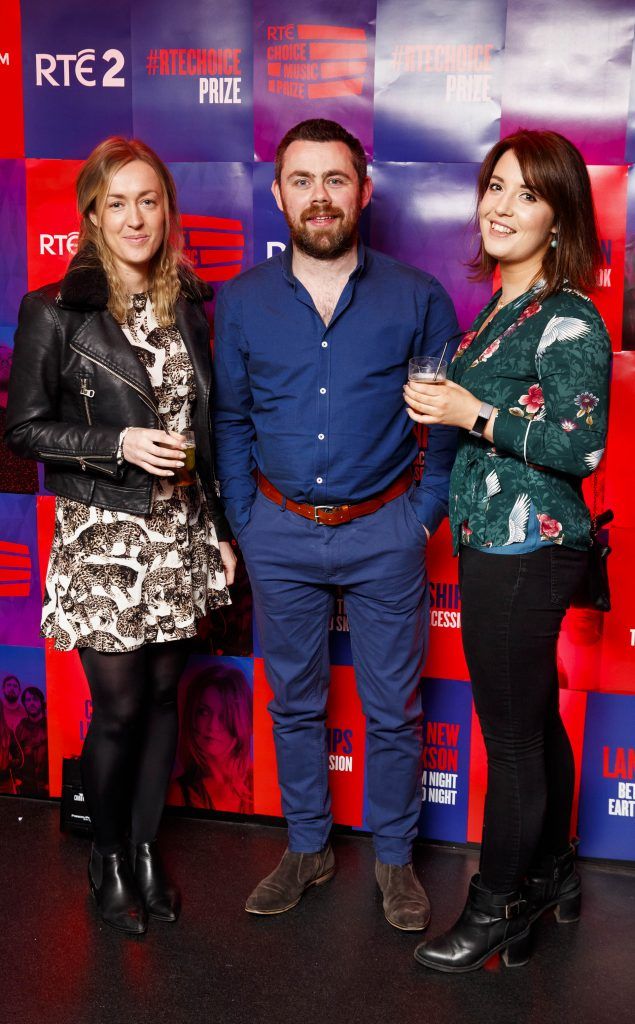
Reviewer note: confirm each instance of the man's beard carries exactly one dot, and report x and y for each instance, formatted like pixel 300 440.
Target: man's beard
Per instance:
pixel 10 698
pixel 332 242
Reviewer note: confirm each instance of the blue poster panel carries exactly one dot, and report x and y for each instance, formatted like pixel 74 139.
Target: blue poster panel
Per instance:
pixel 77 75
pixel 313 58
pixel 193 78
pixel 568 69
pixel 423 214
pixel 20 594
pixel 447 718
pixel 23 722
pixel 438 78
pixel 607 791
pixel 13 235
pixel 216 214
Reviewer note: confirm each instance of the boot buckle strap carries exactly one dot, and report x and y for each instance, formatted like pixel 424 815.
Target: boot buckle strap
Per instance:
pixel 515 909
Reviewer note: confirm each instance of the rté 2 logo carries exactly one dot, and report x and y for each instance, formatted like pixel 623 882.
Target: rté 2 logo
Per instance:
pixel 83 65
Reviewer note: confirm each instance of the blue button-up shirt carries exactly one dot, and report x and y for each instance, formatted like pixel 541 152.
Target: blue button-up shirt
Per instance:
pixel 318 408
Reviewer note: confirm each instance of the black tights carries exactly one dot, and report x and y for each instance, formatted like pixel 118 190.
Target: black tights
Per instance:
pixel 512 610
pixel 131 742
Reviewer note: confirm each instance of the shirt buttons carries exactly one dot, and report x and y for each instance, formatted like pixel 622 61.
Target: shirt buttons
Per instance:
pixel 320 437
pixel 325 344
pixel 322 391
pixel 319 480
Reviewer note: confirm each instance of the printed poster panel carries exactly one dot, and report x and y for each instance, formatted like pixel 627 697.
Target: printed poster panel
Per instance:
pixel 313 58
pixel 192 70
pixel 12 136
pixel 77 75
pixel 447 721
pixel 573 711
pixel 619 477
pixel 70 710
pixel 445 650
pixel 213 770
pixel 617 666
pixel 438 79
pixel 567 69
pixel 23 723
pixel 271 233
pixel 345 738
pixel 607 804
pixel 216 214
pixel 20 604
pixel 52 219
pixel 423 214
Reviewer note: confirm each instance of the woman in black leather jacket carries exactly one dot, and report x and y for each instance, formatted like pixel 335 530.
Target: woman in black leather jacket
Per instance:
pixel 110 368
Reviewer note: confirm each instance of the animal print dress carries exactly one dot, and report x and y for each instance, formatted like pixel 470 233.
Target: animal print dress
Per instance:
pixel 116 581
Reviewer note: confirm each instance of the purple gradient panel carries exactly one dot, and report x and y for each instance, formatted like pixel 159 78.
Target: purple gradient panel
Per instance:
pixel 271 233
pixel 422 214
pixel 193 78
pixel 630 126
pixel 77 75
pixel 568 69
pixel 628 324
pixel 438 78
pixel 312 59
pixel 20 594
pixel 215 201
pixel 13 281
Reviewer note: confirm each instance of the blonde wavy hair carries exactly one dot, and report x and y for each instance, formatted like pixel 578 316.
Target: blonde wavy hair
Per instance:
pixel 169 268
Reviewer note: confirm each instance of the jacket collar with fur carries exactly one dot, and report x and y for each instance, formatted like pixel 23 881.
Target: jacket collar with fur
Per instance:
pixel 85 286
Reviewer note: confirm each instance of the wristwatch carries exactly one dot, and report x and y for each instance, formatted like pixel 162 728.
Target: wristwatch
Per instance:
pixel 480 423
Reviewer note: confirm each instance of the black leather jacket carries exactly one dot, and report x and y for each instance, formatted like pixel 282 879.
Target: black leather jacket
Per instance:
pixel 76 382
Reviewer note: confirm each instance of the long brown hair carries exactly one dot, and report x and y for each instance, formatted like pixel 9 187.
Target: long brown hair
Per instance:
pixel 553 168
pixel 169 266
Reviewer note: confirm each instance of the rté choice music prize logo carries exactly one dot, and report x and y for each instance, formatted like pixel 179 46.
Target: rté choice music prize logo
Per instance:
pixel 214 246
pixel 217 71
pixel 316 62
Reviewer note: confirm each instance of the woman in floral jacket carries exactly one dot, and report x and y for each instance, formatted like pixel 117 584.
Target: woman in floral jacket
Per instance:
pixel 529 385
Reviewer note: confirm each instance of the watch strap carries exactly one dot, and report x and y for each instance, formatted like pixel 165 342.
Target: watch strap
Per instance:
pixel 481 421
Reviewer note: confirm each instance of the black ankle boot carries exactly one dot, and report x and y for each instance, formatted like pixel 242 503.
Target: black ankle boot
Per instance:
pixel 162 899
pixel 554 882
pixel 113 886
pixel 491 922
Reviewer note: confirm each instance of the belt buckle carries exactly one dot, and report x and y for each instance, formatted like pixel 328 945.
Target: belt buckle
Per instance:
pixel 321 508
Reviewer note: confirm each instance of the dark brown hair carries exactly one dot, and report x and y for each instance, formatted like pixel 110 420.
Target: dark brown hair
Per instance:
pixel 554 169
pixel 318 129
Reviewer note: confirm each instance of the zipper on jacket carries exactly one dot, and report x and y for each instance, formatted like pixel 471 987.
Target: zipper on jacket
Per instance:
pixel 124 380
pixel 84 462
pixel 86 393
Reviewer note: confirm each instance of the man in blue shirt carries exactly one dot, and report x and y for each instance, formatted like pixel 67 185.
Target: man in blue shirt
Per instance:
pixel 314 458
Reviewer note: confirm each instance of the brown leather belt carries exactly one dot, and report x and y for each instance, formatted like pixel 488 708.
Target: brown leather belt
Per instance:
pixel 335 515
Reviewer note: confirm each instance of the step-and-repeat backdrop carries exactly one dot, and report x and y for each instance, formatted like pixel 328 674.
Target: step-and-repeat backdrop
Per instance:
pixel 428 88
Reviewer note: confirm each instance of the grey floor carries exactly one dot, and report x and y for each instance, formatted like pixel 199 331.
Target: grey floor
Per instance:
pixel 333 958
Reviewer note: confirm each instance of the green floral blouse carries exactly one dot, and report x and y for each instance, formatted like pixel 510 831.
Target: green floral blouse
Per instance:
pixel 545 366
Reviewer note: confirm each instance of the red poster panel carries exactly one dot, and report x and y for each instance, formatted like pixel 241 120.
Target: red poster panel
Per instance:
pixel 617 670
pixel 69 710
pixel 609 193
pixel 619 485
pixel 573 711
pixel 12 135
pixel 52 220
pixel 445 653
pixel 346 732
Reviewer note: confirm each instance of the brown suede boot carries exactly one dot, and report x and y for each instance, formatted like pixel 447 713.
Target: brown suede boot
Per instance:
pixel 295 873
pixel 406 905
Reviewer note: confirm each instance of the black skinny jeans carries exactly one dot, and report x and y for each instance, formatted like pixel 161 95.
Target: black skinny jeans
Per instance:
pixel 512 610
pixel 131 742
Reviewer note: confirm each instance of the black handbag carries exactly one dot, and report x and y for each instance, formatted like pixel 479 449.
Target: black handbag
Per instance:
pixel 594 591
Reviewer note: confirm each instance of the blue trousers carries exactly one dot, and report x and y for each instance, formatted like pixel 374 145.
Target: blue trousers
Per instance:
pixel 294 567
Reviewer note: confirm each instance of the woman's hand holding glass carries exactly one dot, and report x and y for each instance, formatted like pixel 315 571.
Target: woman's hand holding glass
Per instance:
pixel 443 402
pixel 157 451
